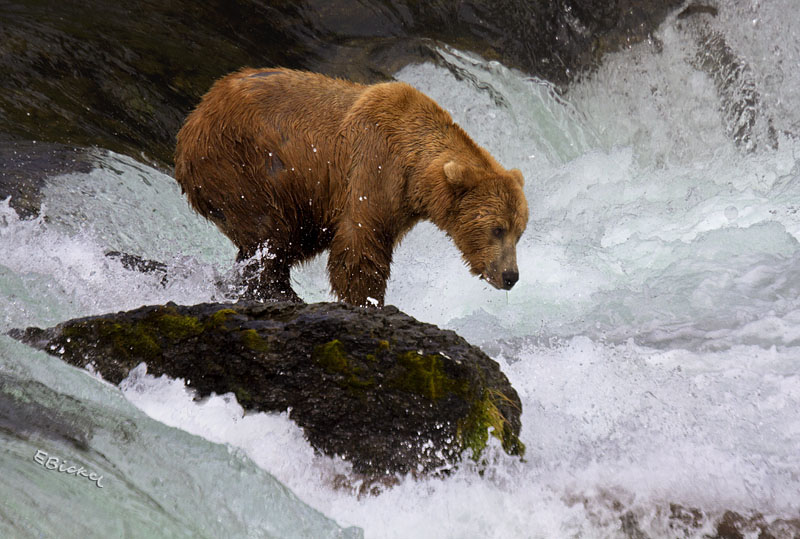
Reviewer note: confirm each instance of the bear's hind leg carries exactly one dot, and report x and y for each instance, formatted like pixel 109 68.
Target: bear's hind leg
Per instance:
pixel 266 279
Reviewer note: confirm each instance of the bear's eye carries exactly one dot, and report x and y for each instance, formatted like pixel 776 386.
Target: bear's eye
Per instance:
pixel 498 232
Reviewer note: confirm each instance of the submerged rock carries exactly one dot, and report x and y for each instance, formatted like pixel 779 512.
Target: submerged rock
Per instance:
pixel 731 524
pixel 652 521
pixel 386 392
pixel 744 116
pixel 26 166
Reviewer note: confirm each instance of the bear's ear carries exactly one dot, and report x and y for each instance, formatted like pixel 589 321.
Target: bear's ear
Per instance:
pixel 457 175
pixel 518 176
pixel 453 172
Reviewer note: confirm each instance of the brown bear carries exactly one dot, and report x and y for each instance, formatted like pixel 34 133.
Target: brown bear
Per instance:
pixel 292 163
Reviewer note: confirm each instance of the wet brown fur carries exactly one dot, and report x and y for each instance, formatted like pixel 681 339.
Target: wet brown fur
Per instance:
pixel 301 163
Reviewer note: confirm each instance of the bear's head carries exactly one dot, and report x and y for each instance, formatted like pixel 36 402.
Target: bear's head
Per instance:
pixel 488 216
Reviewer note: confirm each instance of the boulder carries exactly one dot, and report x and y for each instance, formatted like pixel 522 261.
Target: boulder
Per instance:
pixel 388 393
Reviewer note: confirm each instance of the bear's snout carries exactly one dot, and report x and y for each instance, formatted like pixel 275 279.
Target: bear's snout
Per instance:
pixel 501 279
pixel 510 278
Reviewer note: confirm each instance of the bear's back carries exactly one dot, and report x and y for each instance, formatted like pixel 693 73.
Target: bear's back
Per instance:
pixel 281 99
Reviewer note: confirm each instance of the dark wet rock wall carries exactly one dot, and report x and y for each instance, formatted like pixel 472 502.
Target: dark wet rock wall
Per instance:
pixel 123 75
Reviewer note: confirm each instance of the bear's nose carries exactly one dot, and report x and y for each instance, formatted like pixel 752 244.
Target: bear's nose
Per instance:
pixel 509 279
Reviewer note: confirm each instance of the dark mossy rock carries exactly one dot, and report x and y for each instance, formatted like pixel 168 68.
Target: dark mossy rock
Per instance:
pixel 377 387
pixel 124 75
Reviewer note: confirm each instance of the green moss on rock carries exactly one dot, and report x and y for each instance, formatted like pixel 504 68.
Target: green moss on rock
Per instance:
pixel 484 414
pixel 243 396
pixel 175 326
pixel 424 375
pixel 128 340
pixel 219 318
pixel 331 356
pixel 252 340
pixel 142 339
pixel 382 348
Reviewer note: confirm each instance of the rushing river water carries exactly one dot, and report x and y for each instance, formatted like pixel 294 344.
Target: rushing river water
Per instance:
pixel 653 337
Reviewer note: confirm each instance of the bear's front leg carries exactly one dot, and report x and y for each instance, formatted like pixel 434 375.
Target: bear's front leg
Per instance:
pixel 358 264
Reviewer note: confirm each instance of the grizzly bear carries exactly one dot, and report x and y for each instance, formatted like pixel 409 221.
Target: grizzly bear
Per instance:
pixel 290 163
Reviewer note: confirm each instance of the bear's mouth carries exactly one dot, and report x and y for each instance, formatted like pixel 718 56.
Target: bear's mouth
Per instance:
pixel 504 280
pixel 486 277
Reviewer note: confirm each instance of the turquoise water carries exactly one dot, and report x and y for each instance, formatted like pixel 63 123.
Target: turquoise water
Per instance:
pixel 154 480
pixel 654 335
